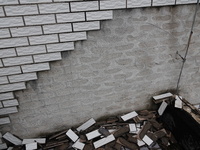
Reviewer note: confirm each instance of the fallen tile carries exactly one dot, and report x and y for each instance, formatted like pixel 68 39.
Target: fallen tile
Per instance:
pixel 129 116
pixel 78 145
pixel 12 139
pixel 93 134
pixel 72 135
pixel 147 140
pixel 162 108
pixel 86 125
pixel 104 141
pixel 31 146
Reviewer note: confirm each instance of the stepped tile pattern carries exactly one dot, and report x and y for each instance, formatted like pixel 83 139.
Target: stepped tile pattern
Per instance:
pixel 33 33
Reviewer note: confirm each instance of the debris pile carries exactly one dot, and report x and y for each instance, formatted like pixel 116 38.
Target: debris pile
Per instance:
pixel 141 130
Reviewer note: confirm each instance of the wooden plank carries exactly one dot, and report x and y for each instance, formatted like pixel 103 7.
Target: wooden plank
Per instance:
pixel 193 111
pixel 38 140
pixel 86 125
pixel 129 116
pixel 3 146
pixel 4 120
pixel 162 108
pixel 72 135
pixel 147 140
pixel 58 134
pixel 78 145
pixel 13 139
pixel 93 134
pixel 104 141
pixel 9 103
pixel 31 146
pixel 162 96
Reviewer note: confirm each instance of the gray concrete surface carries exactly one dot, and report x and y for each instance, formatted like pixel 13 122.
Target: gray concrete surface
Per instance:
pixel 117 70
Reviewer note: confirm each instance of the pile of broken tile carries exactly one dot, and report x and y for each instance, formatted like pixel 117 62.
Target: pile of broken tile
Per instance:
pixel 132 131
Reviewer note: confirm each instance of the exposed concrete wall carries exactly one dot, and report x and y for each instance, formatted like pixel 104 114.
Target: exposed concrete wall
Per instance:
pixel 118 69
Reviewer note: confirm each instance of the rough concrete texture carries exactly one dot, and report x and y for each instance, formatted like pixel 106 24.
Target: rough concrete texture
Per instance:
pixel 118 69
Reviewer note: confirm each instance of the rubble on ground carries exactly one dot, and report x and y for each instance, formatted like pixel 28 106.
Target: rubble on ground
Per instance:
pixel 141 130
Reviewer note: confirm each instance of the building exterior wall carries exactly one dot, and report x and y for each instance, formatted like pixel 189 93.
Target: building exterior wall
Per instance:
pixel 117 69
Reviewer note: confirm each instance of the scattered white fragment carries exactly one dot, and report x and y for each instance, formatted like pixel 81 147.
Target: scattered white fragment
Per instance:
pixel 86 125
pixel 112 130
pixel 93 134
pixel 129 116
pixel 166 95
pixel 140 143
pixel 147 140
pixel 31 146
pixel 72 135
pixel 78 145
pixel 132 128
pixel 10 148
pixel 38 140
pixel 197 106
pixel 104 141
pixel 13 139
pixel 3 146
pixel 178 102
pixel 162 108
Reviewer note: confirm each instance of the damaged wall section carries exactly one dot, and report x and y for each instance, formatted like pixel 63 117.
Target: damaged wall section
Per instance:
pixel 116 70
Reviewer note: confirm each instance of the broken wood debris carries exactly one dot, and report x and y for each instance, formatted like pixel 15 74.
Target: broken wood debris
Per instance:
pixel 132 131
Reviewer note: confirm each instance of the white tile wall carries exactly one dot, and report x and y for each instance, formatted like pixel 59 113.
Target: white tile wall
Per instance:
pixel 3 80
pixel 4 96
pixel 47 57
pixel 54 8
pixel 17 60
pixel 22 77
pixel 112 4
pixel 39 49
pixel 34 40
pixel 4 33
pixel 7 53
pixel 60 47
pixel 34 1
pixel 84 6
pixel 57 28
pixel 12 87
pixel 136 3
pixel 35 67
pixel 11 22
pixel 86 26
pixel 10 70
pixel 26 31
pixel 13 42
pixel 99 15
pixel 10 103
pixel 163 2
pixel 73 36
pixel 8 2
pixel 70 17
pixel 21 10
pixel 40 19
pixel 9 110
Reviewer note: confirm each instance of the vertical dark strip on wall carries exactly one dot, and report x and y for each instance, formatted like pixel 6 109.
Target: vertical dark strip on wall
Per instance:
pixel 70 7
pixel 38 8
pixel 72 27
pixel 4 11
